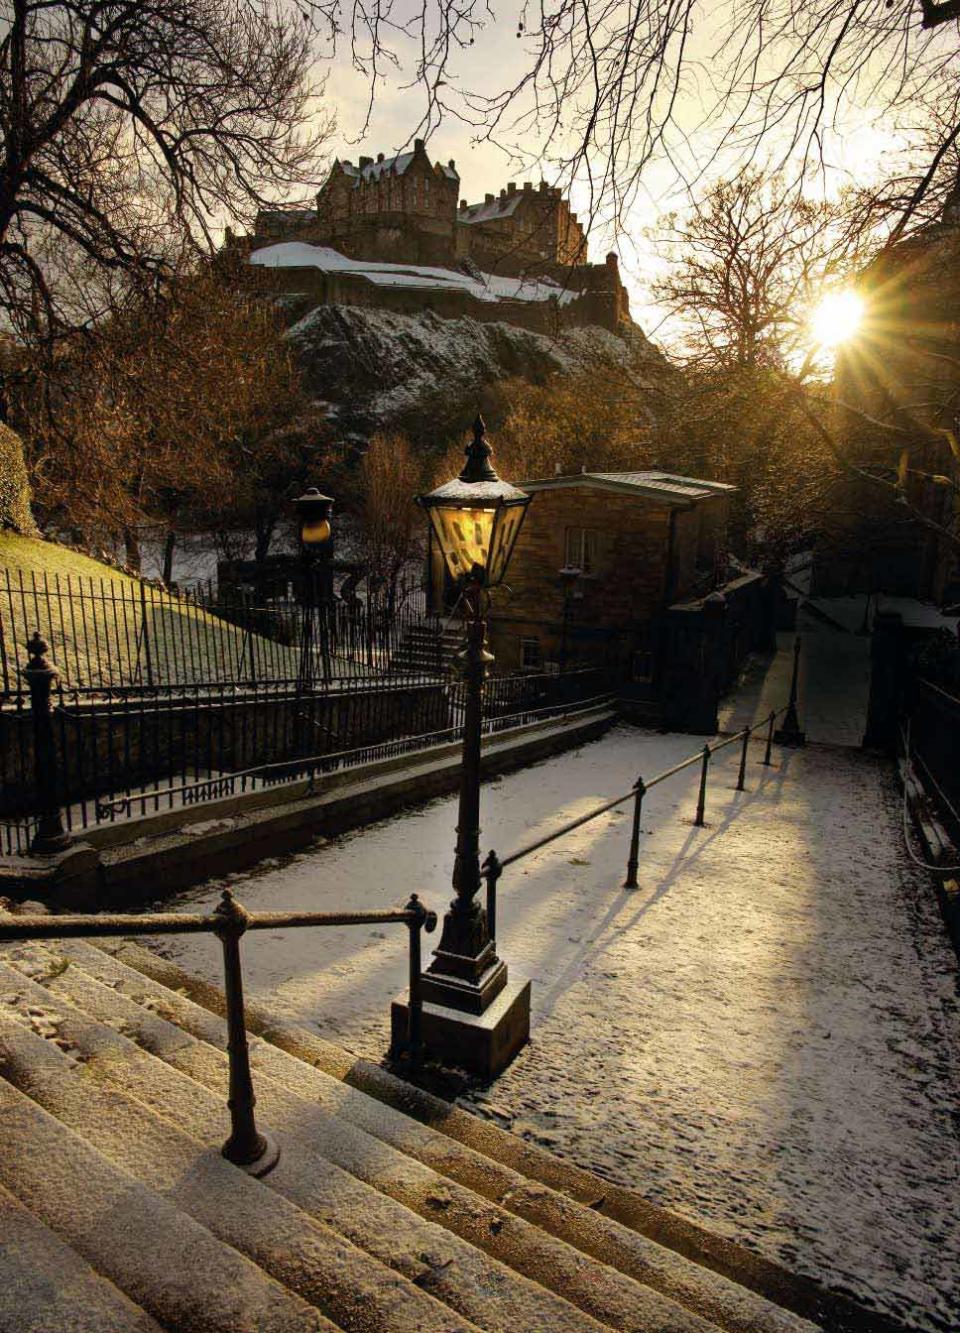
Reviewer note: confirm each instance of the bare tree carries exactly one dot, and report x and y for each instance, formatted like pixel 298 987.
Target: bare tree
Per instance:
pixel 747 262
pixel 126 124
pixel 391 475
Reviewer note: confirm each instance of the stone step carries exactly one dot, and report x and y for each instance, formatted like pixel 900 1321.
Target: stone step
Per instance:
pixel 567 1288
pixel 166 1263
pixel 438 1262
pixel 45 1287
pixel 308 1258
pixel 724 1302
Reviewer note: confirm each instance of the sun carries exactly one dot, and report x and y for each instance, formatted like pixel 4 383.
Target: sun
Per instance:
pixel 836 318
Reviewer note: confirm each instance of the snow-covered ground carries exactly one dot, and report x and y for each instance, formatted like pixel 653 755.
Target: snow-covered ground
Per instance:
pixel 764 1036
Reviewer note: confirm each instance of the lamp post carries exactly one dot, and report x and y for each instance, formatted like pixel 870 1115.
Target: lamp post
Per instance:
pixel 476 519
pixel 315 537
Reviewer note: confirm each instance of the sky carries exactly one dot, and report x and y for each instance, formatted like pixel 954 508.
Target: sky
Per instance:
pixel 855 156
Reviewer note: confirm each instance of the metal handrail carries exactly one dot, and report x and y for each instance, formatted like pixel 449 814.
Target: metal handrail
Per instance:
pixel 246 1146
pixel 493 866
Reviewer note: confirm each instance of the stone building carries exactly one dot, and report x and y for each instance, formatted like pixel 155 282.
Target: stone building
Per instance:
pixel 520 231
pixel 405 209
pixel 599 560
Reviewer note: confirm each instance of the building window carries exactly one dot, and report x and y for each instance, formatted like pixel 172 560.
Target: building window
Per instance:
pixel 530 655
pixel 581 549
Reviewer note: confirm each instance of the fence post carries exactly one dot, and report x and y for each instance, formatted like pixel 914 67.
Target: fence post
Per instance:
pixel 791 732
pixel 246 1147
pixel 702 799
pixel 420 919
pixel 492 870
pixel 634 855
pixel 766 753
pixel 40 674
pixel 742 775
pixel 145 635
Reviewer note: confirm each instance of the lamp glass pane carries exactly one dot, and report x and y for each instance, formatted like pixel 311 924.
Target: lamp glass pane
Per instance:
pixel 315 531
pixel 504 538
pixel 464 536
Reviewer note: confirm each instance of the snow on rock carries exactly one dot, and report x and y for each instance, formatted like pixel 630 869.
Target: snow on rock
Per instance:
pixel 377 365
pixel 763 1037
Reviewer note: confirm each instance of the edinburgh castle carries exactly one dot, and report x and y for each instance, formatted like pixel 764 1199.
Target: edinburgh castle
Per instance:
pixel 394 233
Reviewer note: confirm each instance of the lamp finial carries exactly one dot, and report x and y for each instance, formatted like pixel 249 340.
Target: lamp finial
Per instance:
pixel 478 466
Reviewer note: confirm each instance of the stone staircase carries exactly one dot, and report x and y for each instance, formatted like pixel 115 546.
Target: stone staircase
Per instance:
pixel 428 648
pixel 118 1212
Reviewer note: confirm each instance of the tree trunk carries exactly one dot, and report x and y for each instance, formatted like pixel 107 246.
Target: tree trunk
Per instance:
pixel 168 549
pixel 131 544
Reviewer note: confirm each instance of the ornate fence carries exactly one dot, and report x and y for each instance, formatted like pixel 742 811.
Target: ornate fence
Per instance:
pixel 88 757
pixel 108 635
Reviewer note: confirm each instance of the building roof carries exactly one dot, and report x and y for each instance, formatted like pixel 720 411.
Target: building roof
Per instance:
pixel 668 487
pixel 391 166
pixel 504 206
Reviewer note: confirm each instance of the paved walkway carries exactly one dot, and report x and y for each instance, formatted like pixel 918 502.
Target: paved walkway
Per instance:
pixel 834 678
pixel 764 1036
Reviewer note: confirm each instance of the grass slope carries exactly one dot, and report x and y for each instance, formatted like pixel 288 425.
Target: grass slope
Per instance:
pixel 106 628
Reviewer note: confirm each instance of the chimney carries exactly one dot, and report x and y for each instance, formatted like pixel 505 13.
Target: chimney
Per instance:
pixel 612 261
pixel 463 205
pixel 488 198
pixel 366 162
pixel 418 145
pixel 379 157
pixel 512 187
pixel 503 194
pixel 527 187
pixel 346 162
pixel 542 187
pixel 452 165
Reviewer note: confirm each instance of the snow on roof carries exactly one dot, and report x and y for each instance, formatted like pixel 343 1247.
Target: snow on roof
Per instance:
pixel 668 486
pixel 391 166
pixel 482 286
pixel 503 206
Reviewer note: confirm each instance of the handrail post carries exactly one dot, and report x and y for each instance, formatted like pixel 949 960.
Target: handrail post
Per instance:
pixel 742 775
pixel 702 799
pixel 418 920
pixel 40 674
pixel 246 1147
pixel 492 870
pixel 791 733
pixel 634 855
pixel 766 754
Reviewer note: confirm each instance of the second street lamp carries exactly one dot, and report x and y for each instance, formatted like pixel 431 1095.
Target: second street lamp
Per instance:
pixel 476 519
pixel 315 538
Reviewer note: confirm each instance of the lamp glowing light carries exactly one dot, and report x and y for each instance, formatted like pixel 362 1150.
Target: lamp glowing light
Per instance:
pixel 836 319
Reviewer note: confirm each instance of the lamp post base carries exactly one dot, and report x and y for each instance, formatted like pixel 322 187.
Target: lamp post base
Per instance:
pixel 456 992
pixel 481 1043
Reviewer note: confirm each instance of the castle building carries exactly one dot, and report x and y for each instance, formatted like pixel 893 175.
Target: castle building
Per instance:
pixel 407 210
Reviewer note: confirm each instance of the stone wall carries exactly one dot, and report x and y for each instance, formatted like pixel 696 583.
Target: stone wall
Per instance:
pixel 603 301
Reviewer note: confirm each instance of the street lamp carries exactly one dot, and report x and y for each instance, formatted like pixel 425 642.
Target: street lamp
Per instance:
pixel 315 537
pixel 476 519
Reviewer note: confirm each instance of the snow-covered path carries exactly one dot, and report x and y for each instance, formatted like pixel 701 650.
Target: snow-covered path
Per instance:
pixel 764 1036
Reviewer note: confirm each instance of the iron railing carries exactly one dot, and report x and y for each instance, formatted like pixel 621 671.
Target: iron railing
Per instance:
pixel 493 866
pixel 246 1145
pixel 97 759
pixel 126 635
